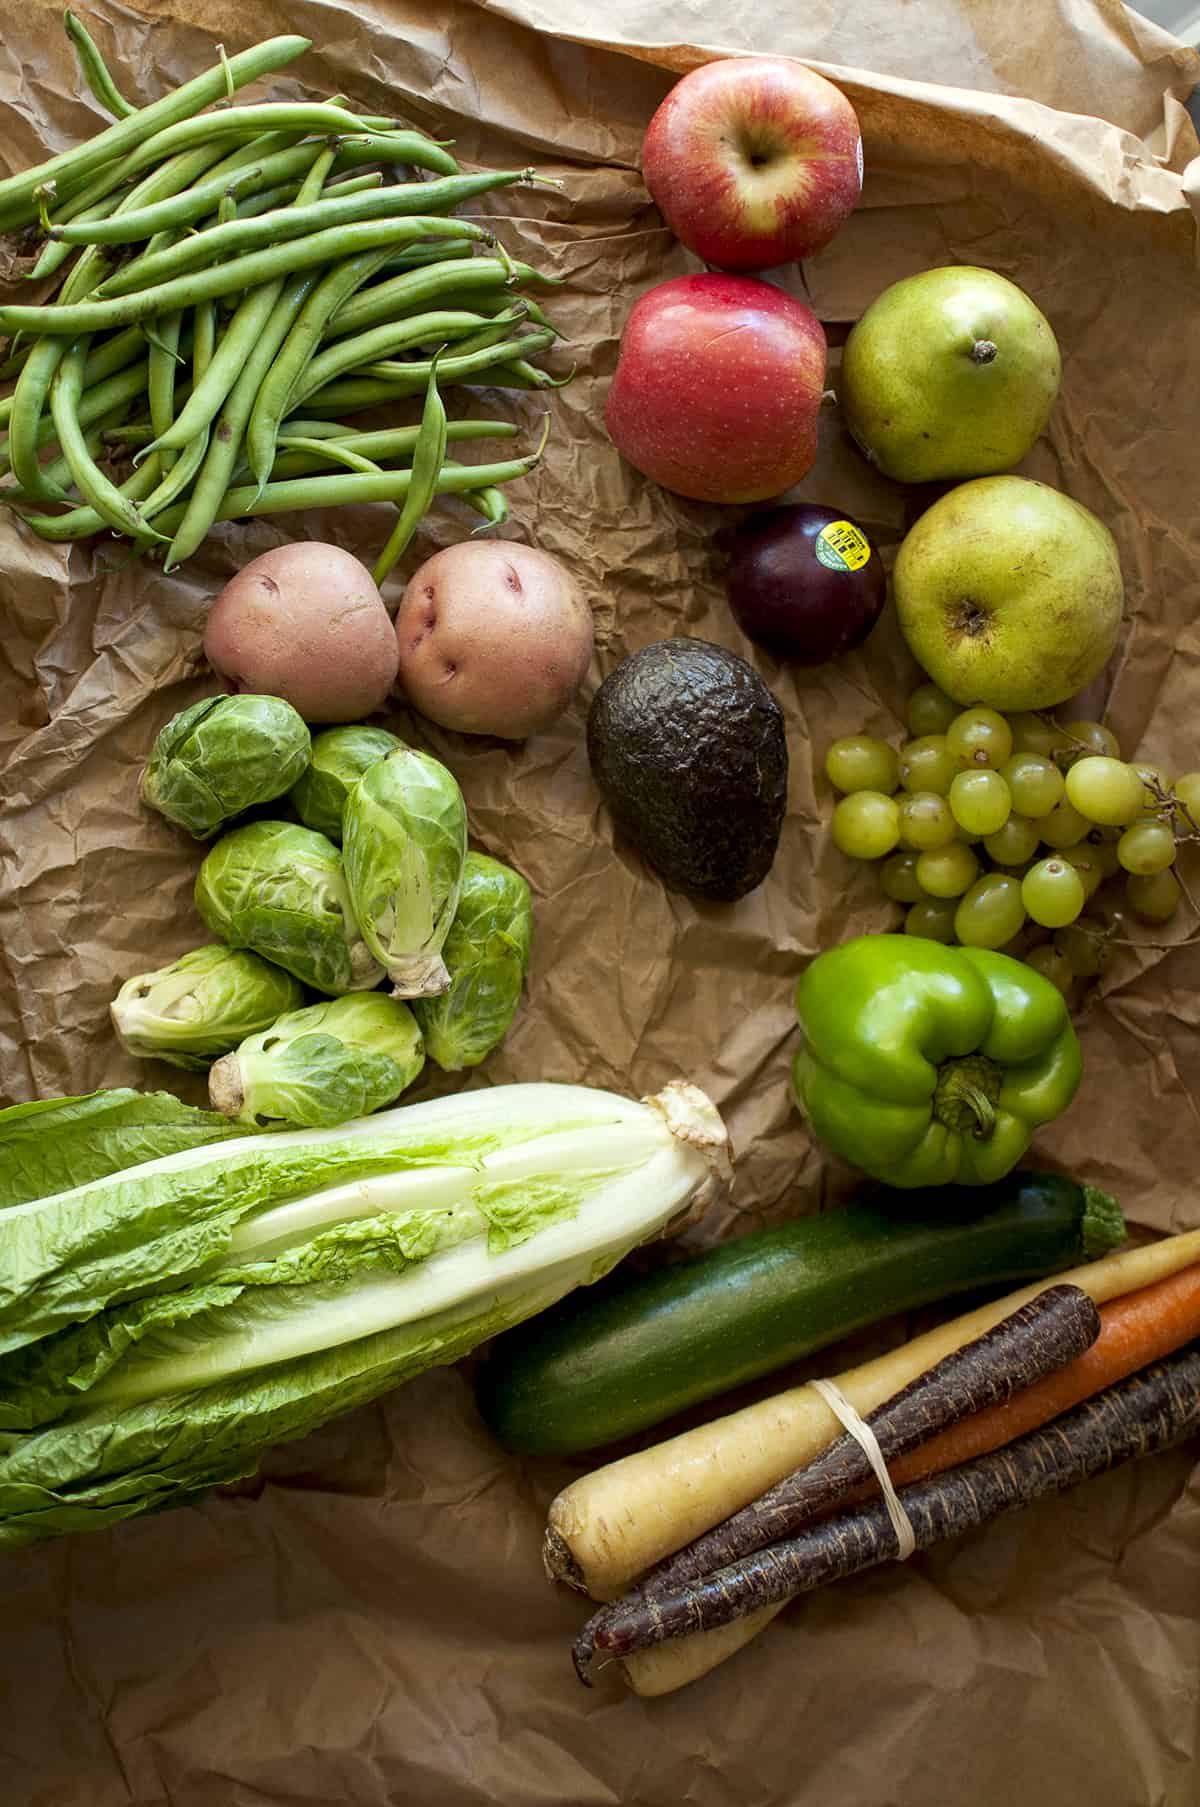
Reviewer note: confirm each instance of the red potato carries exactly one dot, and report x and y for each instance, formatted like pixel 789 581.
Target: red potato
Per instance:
pixel 305 622
pixel 494 638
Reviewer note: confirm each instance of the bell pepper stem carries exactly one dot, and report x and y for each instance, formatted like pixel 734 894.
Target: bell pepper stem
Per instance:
pixel 965 1096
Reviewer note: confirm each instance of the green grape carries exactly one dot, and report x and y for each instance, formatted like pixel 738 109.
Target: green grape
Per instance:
pixel 1052 964
pixel 932 918
pixel 1064 826
pixel 927 764
pixel 866 825
pixel 858 762
pixel 1102 850
pixel 981 802
pixel 1083 949
pixel 1014 843
pixel 980 737
pixel 1147 847
pixel 1053 893
pixel 1154 897
pixel 930 710
pixel 947 871
pixel 1035 782
pixel 1083 856
pixel 1095 738
pixel 991 912
pixel 898 878
pixel 925 821
pixel 1083 739
pixel 1187 789
pixel 1105 790
pixel 1034 734
pixel 1155 778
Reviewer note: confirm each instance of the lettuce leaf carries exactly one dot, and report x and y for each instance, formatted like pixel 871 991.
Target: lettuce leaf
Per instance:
pixel 59 1143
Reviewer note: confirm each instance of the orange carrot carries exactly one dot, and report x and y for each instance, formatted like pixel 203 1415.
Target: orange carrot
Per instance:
pixel 1135 1329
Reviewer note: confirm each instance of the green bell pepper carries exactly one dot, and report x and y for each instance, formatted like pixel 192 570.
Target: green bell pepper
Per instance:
pixel 925 1064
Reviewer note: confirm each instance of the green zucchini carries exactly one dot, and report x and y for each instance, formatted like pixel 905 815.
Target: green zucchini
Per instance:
pixel 615 1358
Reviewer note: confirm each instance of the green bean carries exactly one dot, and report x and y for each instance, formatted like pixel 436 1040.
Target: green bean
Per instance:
pixel 406 378
pixel 138 182
pixel 102 398
pixel 428 455
pixel 520 374
pixel 281 119
pixel 94 69
pixel 251 174
pixel 435 251
pixel 233 277
pixel 204 342
pixel 95 488
pixel 18 206
pixel 226 443
pixel 58 470
pixel 164 358
pixel 33 389
pixel 330 452
pixel 417 329
pixel 400 294
pixel 174 481
pixel 490 502
pixel 382 444
pixel 240 236
pixel 54 255
pixel 270 198
pixel 213 383
pixel 340 488
pixel 82 523
pixel 410 148
pixel 295 353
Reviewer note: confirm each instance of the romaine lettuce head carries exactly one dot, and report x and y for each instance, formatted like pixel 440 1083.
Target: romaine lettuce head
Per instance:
pixel 222 756
pixel 486 955
pixel 322 1066
pixel 279 889
pixel 202 1005
pixel 404 842
pixel 340 756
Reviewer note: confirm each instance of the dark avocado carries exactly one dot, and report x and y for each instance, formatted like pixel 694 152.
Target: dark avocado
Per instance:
pixel 688 748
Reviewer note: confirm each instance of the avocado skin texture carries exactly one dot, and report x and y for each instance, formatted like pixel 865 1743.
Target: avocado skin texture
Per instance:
pixel 687 746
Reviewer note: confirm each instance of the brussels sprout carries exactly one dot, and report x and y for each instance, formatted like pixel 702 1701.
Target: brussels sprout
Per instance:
pixel 405 839
pixel 201 1006
pixel 222 756
pixel 321 1066
pixel 340 756
pixel 280 889
pixel 486 954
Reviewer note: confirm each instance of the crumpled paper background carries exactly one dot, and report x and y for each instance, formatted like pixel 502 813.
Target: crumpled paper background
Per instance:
pixel 368 1623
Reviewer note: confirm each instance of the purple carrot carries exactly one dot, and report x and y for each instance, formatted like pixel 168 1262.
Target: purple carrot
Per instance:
pixel 1150 1411
pixel 1046 1333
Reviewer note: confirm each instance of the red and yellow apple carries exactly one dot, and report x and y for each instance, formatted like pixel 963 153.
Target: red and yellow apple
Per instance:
pixel 753 161
pixel 717 388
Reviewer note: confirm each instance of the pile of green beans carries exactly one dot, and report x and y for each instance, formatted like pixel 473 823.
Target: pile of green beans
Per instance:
pixel 236 282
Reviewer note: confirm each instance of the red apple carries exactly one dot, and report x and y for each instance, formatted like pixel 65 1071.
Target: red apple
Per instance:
pixel 717 388
pixel 753 161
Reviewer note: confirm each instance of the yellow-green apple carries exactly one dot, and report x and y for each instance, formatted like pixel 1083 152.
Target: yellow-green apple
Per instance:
pixel 717 388
pixel 753 161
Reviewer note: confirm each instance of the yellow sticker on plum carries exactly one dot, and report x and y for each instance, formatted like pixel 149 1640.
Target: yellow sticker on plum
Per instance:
pixel 841 546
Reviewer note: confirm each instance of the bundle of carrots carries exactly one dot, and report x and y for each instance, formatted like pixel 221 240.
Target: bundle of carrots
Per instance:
pixel 959 1418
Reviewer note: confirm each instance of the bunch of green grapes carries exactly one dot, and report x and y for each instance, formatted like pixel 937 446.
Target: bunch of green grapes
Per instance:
pixel 989 825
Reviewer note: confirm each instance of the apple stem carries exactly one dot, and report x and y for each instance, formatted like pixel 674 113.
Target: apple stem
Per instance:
pixel 983 351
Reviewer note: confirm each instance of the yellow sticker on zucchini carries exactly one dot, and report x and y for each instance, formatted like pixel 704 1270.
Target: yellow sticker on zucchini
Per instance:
pixel 841 546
